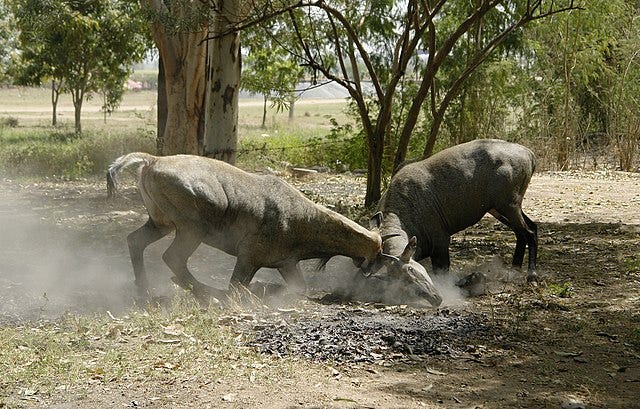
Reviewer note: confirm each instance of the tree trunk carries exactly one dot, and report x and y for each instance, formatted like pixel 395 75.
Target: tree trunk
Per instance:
pixel 77 95
pixel 55 94
pixel 292 104
pixel 374 168
pixel 183 57
pixel 223 85
pixel 264 111
pixel 181 129
pixel 162 108
pixel 184 85
pixel 412 119
pixel 104 103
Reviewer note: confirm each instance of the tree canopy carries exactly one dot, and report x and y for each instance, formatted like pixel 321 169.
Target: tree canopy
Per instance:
pixel 82 46
pixel 420 74
pixel 417 56
pixel 269 70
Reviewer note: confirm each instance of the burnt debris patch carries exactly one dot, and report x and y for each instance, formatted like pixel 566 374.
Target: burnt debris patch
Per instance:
pixel 367 335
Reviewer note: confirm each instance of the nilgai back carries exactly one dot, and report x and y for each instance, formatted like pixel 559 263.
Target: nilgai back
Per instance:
pixel 432 199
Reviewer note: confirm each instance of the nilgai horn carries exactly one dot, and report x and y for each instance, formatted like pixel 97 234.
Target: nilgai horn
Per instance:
pixel 260 219
pixel 428 201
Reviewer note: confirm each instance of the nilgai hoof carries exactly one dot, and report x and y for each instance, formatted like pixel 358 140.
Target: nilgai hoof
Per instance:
pixel 205 294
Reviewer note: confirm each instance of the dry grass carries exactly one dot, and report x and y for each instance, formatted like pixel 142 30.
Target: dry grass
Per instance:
pixel 32 108
pixel 29 145
pixel 173 343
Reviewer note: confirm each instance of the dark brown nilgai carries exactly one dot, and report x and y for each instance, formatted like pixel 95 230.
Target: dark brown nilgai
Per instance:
pixel 260 219
pixel 430 200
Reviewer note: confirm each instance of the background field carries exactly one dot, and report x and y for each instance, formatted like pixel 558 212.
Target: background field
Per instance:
pixel 32 108
pixel 29 145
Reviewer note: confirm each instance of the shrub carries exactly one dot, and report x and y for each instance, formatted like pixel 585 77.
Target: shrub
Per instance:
pixel 9 122
pixel 339 150
pixel 66 154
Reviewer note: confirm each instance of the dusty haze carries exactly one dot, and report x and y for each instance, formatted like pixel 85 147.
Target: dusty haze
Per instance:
pixel 63 249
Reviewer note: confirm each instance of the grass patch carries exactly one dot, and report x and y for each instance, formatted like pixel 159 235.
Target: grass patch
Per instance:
pixel 52 152
pixel 180 342
pixel 55 153
pixel 564 290
pixel 632 264
pixel 38 150
pixel 336 153
pixel 30 146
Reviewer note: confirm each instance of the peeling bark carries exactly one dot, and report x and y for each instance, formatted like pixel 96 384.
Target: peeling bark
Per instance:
pixel 223 75
pixel 183 57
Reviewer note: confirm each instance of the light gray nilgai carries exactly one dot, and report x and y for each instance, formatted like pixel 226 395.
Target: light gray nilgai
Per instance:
pixel 260 219
pixel 428 201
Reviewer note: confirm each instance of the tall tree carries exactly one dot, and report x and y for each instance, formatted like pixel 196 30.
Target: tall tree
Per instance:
pixel 223 81
pixel 586 68
pixel 269 70
pixel 80 46
pixel 348 42
pixel 179 30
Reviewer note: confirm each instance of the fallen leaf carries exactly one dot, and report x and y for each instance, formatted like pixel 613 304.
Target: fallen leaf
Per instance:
pixel 231 397
pixel 568 354
pixel 435 372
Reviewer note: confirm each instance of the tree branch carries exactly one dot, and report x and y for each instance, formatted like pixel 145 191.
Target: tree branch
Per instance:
pixel 478 59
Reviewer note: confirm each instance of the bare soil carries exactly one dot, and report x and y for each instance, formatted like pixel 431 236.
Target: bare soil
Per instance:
pixel 571 341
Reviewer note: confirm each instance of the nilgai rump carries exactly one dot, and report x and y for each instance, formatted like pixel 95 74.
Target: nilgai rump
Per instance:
pixel 260 219
pixel 430 200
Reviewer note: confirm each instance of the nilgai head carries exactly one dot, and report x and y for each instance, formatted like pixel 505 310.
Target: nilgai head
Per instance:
pixel 403 271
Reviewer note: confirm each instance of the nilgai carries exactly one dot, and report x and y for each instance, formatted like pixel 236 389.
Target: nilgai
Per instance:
pixel 430 200
pixel 260 219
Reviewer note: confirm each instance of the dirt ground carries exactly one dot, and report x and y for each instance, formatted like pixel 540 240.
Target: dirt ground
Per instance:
pixel 572 341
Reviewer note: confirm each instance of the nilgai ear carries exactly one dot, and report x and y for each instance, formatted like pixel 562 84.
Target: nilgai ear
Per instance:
pixel 376 221
pixel 410 250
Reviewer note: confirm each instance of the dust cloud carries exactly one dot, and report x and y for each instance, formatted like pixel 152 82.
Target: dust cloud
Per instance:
pixel 55 261
pixel 47 270
pixel 50 265
pixel 342 279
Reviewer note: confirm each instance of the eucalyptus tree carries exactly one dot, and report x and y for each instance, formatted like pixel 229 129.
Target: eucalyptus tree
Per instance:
pixel 223 80
pixel 378 41
pixel 199 78
pixel 484 104
pixel 80 46
pixel 179 29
